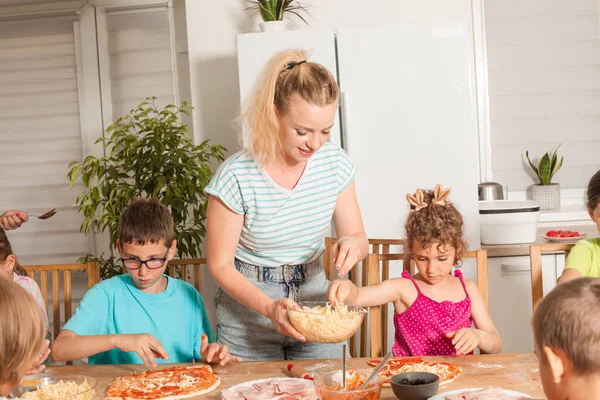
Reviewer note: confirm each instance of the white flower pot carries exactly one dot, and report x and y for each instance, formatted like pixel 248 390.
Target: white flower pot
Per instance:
pixel 275 26
pixel 547 196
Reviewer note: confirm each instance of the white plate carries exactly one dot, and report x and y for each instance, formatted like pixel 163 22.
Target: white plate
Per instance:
pixel 309 383
pixel 442 396
pixel 564 239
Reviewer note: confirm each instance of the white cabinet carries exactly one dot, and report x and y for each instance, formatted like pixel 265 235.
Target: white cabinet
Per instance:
pixel 510 297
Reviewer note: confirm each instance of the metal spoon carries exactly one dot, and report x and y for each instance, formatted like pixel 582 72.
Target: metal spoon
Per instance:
pixel 344 367
pixel 376 371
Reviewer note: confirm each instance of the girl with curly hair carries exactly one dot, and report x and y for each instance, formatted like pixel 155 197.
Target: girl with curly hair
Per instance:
pixel 436 313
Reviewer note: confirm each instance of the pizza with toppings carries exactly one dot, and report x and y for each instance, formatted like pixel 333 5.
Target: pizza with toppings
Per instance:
pixel 446 371
pixel 164 384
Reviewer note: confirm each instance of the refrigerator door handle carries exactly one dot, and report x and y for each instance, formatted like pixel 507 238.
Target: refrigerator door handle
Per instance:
pixel 344 126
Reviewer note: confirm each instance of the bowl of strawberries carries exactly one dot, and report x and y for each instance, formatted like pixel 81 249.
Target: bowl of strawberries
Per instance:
pixel 563 235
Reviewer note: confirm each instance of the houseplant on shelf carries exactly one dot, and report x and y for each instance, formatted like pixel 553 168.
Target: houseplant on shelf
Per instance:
pixel 272 12
pixel 546 193
pixel 148 154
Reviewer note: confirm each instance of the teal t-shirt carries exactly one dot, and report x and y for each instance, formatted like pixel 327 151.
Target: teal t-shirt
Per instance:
pixel 176 317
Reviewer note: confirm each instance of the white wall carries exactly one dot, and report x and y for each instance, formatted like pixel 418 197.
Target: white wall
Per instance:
pixel 212 27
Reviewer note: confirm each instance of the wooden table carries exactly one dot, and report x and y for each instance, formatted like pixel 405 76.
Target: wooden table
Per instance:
pixel 517 372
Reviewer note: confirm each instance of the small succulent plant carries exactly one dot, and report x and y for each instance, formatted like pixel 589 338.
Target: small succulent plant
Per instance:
pixel 547 166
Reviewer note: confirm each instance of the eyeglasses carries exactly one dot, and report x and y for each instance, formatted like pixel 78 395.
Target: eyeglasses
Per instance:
pixel 152 263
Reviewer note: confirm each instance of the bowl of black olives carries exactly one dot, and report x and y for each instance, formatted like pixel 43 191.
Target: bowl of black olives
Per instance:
pixel 415 385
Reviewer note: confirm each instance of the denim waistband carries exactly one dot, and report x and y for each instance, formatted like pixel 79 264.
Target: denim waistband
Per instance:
pixel 284 273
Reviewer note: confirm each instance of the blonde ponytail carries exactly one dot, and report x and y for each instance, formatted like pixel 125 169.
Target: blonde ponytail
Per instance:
pixel 287 73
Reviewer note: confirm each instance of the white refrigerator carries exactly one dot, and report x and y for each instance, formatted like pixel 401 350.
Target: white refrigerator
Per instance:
pixel 408 112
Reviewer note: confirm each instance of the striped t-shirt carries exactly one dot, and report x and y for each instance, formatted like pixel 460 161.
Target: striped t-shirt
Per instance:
pixel 283 226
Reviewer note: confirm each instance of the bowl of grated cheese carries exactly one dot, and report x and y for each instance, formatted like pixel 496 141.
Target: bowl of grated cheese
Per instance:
pixel 319 321
pixel 72 387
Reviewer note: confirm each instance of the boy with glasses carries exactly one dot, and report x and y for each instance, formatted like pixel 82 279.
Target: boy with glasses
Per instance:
pixel 143 316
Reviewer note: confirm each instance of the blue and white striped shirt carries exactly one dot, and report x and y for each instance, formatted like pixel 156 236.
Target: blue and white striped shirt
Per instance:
pixel 283 226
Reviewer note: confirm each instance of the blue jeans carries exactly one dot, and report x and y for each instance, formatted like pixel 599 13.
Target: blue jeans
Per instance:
pixel 251 335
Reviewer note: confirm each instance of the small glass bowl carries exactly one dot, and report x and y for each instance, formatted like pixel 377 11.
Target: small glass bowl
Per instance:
pixel 329 385
pixel 31 383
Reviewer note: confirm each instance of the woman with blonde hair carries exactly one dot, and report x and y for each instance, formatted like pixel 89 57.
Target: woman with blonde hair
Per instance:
pixel 21 336
pixel 270 207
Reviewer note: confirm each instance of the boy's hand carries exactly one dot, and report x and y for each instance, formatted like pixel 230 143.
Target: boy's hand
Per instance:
pixel 145 345
pixel 339 290
pixel 12 219
pixel 38 366
pixel 465 340
pixel 215 353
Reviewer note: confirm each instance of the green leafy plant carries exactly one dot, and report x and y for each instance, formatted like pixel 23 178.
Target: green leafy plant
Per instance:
pixel 547 166
pixel 148 154
pixel 273 10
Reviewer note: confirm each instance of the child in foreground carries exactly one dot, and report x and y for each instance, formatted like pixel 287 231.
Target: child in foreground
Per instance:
pixel 21 336
pixel 566 327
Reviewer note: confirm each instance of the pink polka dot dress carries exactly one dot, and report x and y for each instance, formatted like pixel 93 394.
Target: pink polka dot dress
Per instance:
pixel 421 329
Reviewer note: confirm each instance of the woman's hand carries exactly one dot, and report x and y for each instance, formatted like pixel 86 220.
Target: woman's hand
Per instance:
pixel 279 316
pixel 465 340
pixel 340 290
pixel 346 253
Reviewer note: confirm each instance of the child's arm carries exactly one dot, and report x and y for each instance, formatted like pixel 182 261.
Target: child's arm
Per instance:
pixel 569 274
pixel 70 346
pixel 216 353
pixel 485 336
pixel 343 291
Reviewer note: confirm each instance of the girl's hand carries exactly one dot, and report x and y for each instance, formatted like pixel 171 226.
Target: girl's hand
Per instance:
pixel 339 290
pixel 346 253
pixel 216 353
pixel 465 340
pixel 38 365
pixel 279 316
pixel 12 219
pixel 145 345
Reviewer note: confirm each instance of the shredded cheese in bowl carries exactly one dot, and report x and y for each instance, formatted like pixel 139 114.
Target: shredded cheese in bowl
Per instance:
pixel 319 321
pixel 76 387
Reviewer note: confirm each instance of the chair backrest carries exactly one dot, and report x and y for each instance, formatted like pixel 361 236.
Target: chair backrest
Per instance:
pixel 378 316
pixel 535 259
pixel 188 269
pixel 377 246
pixel 93 277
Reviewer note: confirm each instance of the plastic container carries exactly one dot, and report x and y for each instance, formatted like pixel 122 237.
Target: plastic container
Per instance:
pixel 329 385
pixel 333 327
pixel 508 222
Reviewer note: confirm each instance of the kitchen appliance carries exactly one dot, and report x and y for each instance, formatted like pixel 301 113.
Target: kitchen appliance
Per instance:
pixel 490 191
pixel 508 222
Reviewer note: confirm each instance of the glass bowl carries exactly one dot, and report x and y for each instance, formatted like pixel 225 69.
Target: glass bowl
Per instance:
pixel 38 387
pixel 329 385
pixel 316 325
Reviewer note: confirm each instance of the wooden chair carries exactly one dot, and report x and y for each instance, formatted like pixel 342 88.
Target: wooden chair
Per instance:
pixel 188 269
pixel 377 246
pixel 535 258
pixel 378 315
pixel 93 277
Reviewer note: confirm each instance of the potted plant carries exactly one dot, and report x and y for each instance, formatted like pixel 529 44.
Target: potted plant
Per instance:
pixel 272 12
pixel 546 193
pixel 148 154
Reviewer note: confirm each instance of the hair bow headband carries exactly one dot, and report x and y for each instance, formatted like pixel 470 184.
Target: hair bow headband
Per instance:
pixel 417 200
